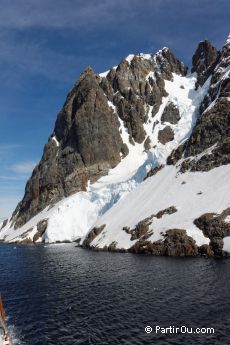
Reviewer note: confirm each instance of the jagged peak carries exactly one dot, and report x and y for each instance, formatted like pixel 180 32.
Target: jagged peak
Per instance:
pixel 163 50
pixel 146 56
pixel 204 48
pixel 226 50
pixel 227 42
pixel 203 60
pixel 87 71
pixel 162 58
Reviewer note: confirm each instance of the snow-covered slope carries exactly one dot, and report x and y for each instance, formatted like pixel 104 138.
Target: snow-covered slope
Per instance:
pixel 72 217
pixel 192 203
pixel 192 194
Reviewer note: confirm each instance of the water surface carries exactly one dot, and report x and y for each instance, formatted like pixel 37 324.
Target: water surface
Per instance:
pixel 59 294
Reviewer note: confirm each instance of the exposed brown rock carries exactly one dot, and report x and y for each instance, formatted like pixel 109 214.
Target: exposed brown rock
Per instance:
pixel 112 247
pixel 148 248
pixel 215 228
pixel 169 210
pixel 141 230
pixel 165 135
pixel 153 171
pixel 169 64
pixel 210 137
pixel 24 235
pixel 94 232
pixel 176 155
pixel 204 61
pixel 176 243
pixel 217 244
pixel 206 250
pixel 4 223
pixel 41 228
pixel 214 225
pixel 147 143
pixel 170 114
pixel 212 131
pixel 124 150
pixel 89 145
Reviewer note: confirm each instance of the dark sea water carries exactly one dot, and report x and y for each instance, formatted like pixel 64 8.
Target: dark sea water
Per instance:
pixel 59 294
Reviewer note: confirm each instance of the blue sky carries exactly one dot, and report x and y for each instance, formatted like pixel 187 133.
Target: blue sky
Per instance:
pixel 45 45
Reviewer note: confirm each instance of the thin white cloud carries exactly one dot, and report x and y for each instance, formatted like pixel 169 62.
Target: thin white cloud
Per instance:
pixel 6 150
pixel 23 167
pixel 7 205
pixel 7 147
pixel 69 14
pixel 33 55
pixel 75 14
pixel 12 178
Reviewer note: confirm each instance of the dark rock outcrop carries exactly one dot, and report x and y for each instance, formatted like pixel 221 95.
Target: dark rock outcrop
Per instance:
pixel 165 135
pixel 4 224
pixel 94 232
pixel 168 210
pixel 89 142
pixel 169 64
pixel 41 228
pixel 215 228
pixel 170 114
pixel 153 171
pixel 210 136
pixel 176 243
pixel 212 132
pixel 204 61
pixel 141 230
pixel 205 250
pixel 176 154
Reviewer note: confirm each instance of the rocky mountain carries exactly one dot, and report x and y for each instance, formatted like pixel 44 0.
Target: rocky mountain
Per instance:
pixel 138 160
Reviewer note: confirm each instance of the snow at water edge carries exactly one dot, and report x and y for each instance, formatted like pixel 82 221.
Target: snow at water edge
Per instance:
pixel 73 217
pixel 193 194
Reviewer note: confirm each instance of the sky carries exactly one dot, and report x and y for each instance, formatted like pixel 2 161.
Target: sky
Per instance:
pixel 46 44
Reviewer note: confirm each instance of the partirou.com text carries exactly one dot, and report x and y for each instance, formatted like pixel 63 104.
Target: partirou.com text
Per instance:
pixel 182 329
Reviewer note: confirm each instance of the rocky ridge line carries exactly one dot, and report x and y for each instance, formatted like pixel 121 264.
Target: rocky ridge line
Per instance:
pixel 86 141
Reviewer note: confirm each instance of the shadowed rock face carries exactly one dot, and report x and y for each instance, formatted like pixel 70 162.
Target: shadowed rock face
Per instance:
pixel 213 124
pixel 165 135
pixel 210 136
pixel 141 230
pixel 204 61
pixel 153 171
pixel 176 243
pixel 215 227
pixel 170 114
pixel 89 145
pixel 131 90
pixel 92 235
pixel 211 132
pixel 86 140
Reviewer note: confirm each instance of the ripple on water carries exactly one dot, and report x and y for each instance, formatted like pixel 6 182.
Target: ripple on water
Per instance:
pixel 65 295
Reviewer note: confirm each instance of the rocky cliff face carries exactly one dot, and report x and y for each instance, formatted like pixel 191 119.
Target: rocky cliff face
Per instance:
pixel 149 120
pixel 210 138
pixel 85 144
pixel 86 141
